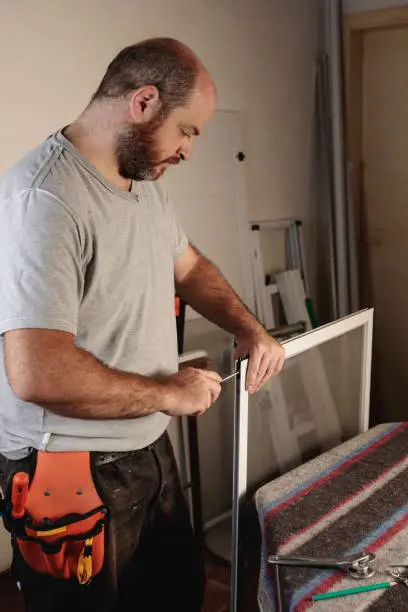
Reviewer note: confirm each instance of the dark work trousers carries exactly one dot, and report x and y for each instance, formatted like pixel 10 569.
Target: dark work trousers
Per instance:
pixel 153 561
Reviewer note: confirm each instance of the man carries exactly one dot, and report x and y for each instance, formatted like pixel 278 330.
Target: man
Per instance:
pixel 92 254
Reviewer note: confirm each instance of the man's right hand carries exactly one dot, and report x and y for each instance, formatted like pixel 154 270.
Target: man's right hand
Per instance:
pixel 191 392
pixel 42 363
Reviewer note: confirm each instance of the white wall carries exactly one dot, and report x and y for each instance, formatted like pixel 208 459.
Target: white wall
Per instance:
pixel 260 52
pixel 359 6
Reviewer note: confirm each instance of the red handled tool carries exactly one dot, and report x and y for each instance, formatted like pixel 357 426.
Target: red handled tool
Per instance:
pixel 19 493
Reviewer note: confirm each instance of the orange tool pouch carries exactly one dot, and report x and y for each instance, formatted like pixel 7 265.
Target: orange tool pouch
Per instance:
pixel 62 532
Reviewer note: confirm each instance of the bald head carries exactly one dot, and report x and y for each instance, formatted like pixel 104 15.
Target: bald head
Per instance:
pixel 181 50
pixel 166 63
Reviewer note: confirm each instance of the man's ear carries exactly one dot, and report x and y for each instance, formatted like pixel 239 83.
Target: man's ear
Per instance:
pixel 144 104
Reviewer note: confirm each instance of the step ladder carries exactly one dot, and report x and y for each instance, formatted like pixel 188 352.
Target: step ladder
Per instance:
pixel 265 286
pixel 292 288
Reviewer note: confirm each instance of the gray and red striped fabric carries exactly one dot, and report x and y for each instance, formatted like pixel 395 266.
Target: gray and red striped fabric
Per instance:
pixel 349 499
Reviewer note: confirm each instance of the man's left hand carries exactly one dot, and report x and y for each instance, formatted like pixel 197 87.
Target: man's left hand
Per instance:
pixel 266 357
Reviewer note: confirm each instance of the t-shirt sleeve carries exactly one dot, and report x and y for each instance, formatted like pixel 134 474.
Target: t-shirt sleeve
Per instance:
pixel 41 273
pixel 178 238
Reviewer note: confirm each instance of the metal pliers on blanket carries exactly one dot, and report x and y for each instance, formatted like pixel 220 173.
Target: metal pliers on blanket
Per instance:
pixel 397 575
pixel 357 565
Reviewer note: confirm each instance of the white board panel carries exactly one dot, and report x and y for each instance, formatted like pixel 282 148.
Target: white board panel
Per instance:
pixel 208 193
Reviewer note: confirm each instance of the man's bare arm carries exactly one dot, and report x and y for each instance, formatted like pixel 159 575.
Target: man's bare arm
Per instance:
pixel 45 367
pixel 204 288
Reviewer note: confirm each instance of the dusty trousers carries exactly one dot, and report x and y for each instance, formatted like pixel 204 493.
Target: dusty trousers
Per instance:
pixel 153 561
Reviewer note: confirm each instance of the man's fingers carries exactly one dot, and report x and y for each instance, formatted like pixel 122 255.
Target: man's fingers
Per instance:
pixel 253 367
pixel 264 366
pixel 214 388
pixel 275 365
pixel 268 375
pixel 272 370
pixel 280 364
pixel 212 375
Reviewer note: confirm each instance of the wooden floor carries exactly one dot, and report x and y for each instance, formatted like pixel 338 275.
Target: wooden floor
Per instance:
pixel 216 599
pixel 217 588
pixel 10 598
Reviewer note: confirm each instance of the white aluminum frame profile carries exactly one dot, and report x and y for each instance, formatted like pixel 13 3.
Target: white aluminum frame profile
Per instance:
pixel 293 347
pixel 239 476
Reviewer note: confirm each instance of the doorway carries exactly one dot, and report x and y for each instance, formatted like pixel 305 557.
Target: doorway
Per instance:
pixel 376 72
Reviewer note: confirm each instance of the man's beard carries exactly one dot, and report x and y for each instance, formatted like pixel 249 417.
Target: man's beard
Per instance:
pixel 138 153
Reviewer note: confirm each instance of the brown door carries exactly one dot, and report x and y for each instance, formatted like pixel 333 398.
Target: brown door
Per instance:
pixel 385 212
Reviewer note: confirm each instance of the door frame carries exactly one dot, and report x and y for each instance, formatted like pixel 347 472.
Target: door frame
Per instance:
pixel 354 27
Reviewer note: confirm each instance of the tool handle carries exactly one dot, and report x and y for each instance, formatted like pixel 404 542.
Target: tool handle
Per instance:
pixel 354 591
pixel 19 493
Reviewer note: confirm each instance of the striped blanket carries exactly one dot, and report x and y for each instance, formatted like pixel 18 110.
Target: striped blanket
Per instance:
pixel 349 499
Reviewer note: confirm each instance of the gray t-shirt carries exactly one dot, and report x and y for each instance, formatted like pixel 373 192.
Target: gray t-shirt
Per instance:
pixel 78 254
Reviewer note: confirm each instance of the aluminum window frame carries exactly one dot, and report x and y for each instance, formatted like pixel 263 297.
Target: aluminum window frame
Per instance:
pixel 295 346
